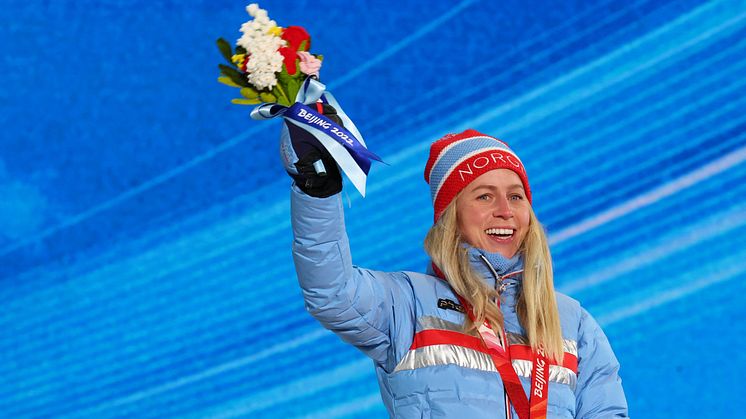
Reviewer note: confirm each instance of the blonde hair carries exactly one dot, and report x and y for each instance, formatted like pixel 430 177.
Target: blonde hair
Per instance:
pixel 537 305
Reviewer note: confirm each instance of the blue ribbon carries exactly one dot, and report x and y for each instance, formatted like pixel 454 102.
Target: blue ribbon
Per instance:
pixel 307 117
pixel 324 129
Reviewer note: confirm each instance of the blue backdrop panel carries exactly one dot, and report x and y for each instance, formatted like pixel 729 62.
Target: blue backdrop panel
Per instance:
pixel 145 266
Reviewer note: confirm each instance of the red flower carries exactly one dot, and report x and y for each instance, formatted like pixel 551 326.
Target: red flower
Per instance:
pixel 295 35
pixel 289 57
pixel 245 62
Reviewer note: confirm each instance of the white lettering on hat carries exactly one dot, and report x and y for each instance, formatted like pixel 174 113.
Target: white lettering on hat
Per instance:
pixel 476 162
pixel 482 161
pixel 512 161
pixel 496 157
pixel 503 157
pixel 461 172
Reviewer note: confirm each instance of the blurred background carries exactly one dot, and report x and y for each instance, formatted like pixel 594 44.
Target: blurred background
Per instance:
pixel 145 264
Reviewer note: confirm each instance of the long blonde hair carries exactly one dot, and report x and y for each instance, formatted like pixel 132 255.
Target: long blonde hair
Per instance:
pixel 537 305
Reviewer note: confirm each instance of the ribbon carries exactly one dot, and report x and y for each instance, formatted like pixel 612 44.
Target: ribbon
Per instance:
pixel 532 407
pixel 539 385
pixel 345 144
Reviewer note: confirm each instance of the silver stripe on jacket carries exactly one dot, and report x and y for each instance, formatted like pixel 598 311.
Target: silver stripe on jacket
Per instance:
pixel 569 346
pixel 557 373
pixel 430 356
pixel 448 354
pixel 432 322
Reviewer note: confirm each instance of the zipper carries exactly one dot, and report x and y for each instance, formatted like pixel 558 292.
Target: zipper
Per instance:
pixel 498 279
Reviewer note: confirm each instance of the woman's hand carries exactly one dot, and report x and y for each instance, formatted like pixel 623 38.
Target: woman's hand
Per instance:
pixel 302 154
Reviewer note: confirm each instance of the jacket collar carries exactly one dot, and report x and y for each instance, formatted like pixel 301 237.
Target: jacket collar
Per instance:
pixel 494 266
pixel 491 266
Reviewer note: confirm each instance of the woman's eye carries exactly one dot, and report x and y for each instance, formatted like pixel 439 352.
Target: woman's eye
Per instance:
pixel 516 197
pixel 483 197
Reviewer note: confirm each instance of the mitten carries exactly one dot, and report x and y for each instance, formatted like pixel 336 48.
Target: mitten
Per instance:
pixel 307 161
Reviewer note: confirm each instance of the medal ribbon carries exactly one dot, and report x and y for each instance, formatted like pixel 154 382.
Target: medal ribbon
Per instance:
pixel 496 345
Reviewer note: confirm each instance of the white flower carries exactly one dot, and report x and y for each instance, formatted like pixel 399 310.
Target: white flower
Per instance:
pixel 264 59
pixel 261 15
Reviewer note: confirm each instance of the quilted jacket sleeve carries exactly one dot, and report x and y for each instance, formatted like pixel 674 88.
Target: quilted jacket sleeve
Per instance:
pixel 359 305
pixel 599 392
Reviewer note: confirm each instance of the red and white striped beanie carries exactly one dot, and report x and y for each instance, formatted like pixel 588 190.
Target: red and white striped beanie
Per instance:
pixel 457 159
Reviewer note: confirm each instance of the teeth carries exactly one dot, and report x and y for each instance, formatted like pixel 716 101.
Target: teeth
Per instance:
pixel 500 231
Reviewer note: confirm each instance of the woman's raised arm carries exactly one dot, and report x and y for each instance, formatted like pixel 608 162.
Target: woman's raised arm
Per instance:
pixel 359 305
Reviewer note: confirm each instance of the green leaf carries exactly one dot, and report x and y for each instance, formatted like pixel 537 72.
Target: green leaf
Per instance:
pixel 225 50
pixel 246 101
pixel 249 93
pixel 279 93
pixel 227 81
pixel 235 75
pixel 303 46
pixel 267 97
pixel 240 50
pixel 291 83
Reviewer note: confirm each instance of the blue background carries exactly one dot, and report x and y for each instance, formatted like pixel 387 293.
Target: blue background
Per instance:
pixel 145 266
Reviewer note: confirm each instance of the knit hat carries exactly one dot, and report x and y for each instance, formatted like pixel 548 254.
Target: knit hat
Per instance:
pixel 457 159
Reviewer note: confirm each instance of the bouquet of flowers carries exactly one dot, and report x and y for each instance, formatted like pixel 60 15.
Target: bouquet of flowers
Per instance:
pixel 269 63
pixel 275 71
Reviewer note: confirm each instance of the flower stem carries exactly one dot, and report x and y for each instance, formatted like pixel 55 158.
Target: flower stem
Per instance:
pixel 285 95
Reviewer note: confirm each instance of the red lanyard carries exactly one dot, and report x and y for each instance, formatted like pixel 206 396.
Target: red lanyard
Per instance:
pixel 496 345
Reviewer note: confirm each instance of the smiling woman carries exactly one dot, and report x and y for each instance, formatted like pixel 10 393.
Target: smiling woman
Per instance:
pixel 483 331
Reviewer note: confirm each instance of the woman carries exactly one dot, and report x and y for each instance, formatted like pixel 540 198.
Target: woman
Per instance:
pixel 484 331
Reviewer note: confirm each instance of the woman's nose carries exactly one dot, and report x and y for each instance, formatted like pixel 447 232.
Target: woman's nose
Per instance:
pixel 502 208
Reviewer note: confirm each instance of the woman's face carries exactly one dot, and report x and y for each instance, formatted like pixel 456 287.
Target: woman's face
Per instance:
pixel 493 212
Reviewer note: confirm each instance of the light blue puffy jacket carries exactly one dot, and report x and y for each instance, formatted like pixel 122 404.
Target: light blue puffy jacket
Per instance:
pixel 382 313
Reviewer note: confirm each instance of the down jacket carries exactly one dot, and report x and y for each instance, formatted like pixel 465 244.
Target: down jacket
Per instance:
pixel 387 315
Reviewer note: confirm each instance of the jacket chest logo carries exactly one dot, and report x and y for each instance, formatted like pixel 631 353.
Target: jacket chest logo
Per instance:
pixel 450 305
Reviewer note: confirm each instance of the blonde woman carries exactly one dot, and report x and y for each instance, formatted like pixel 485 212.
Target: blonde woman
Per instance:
pixel 482 334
